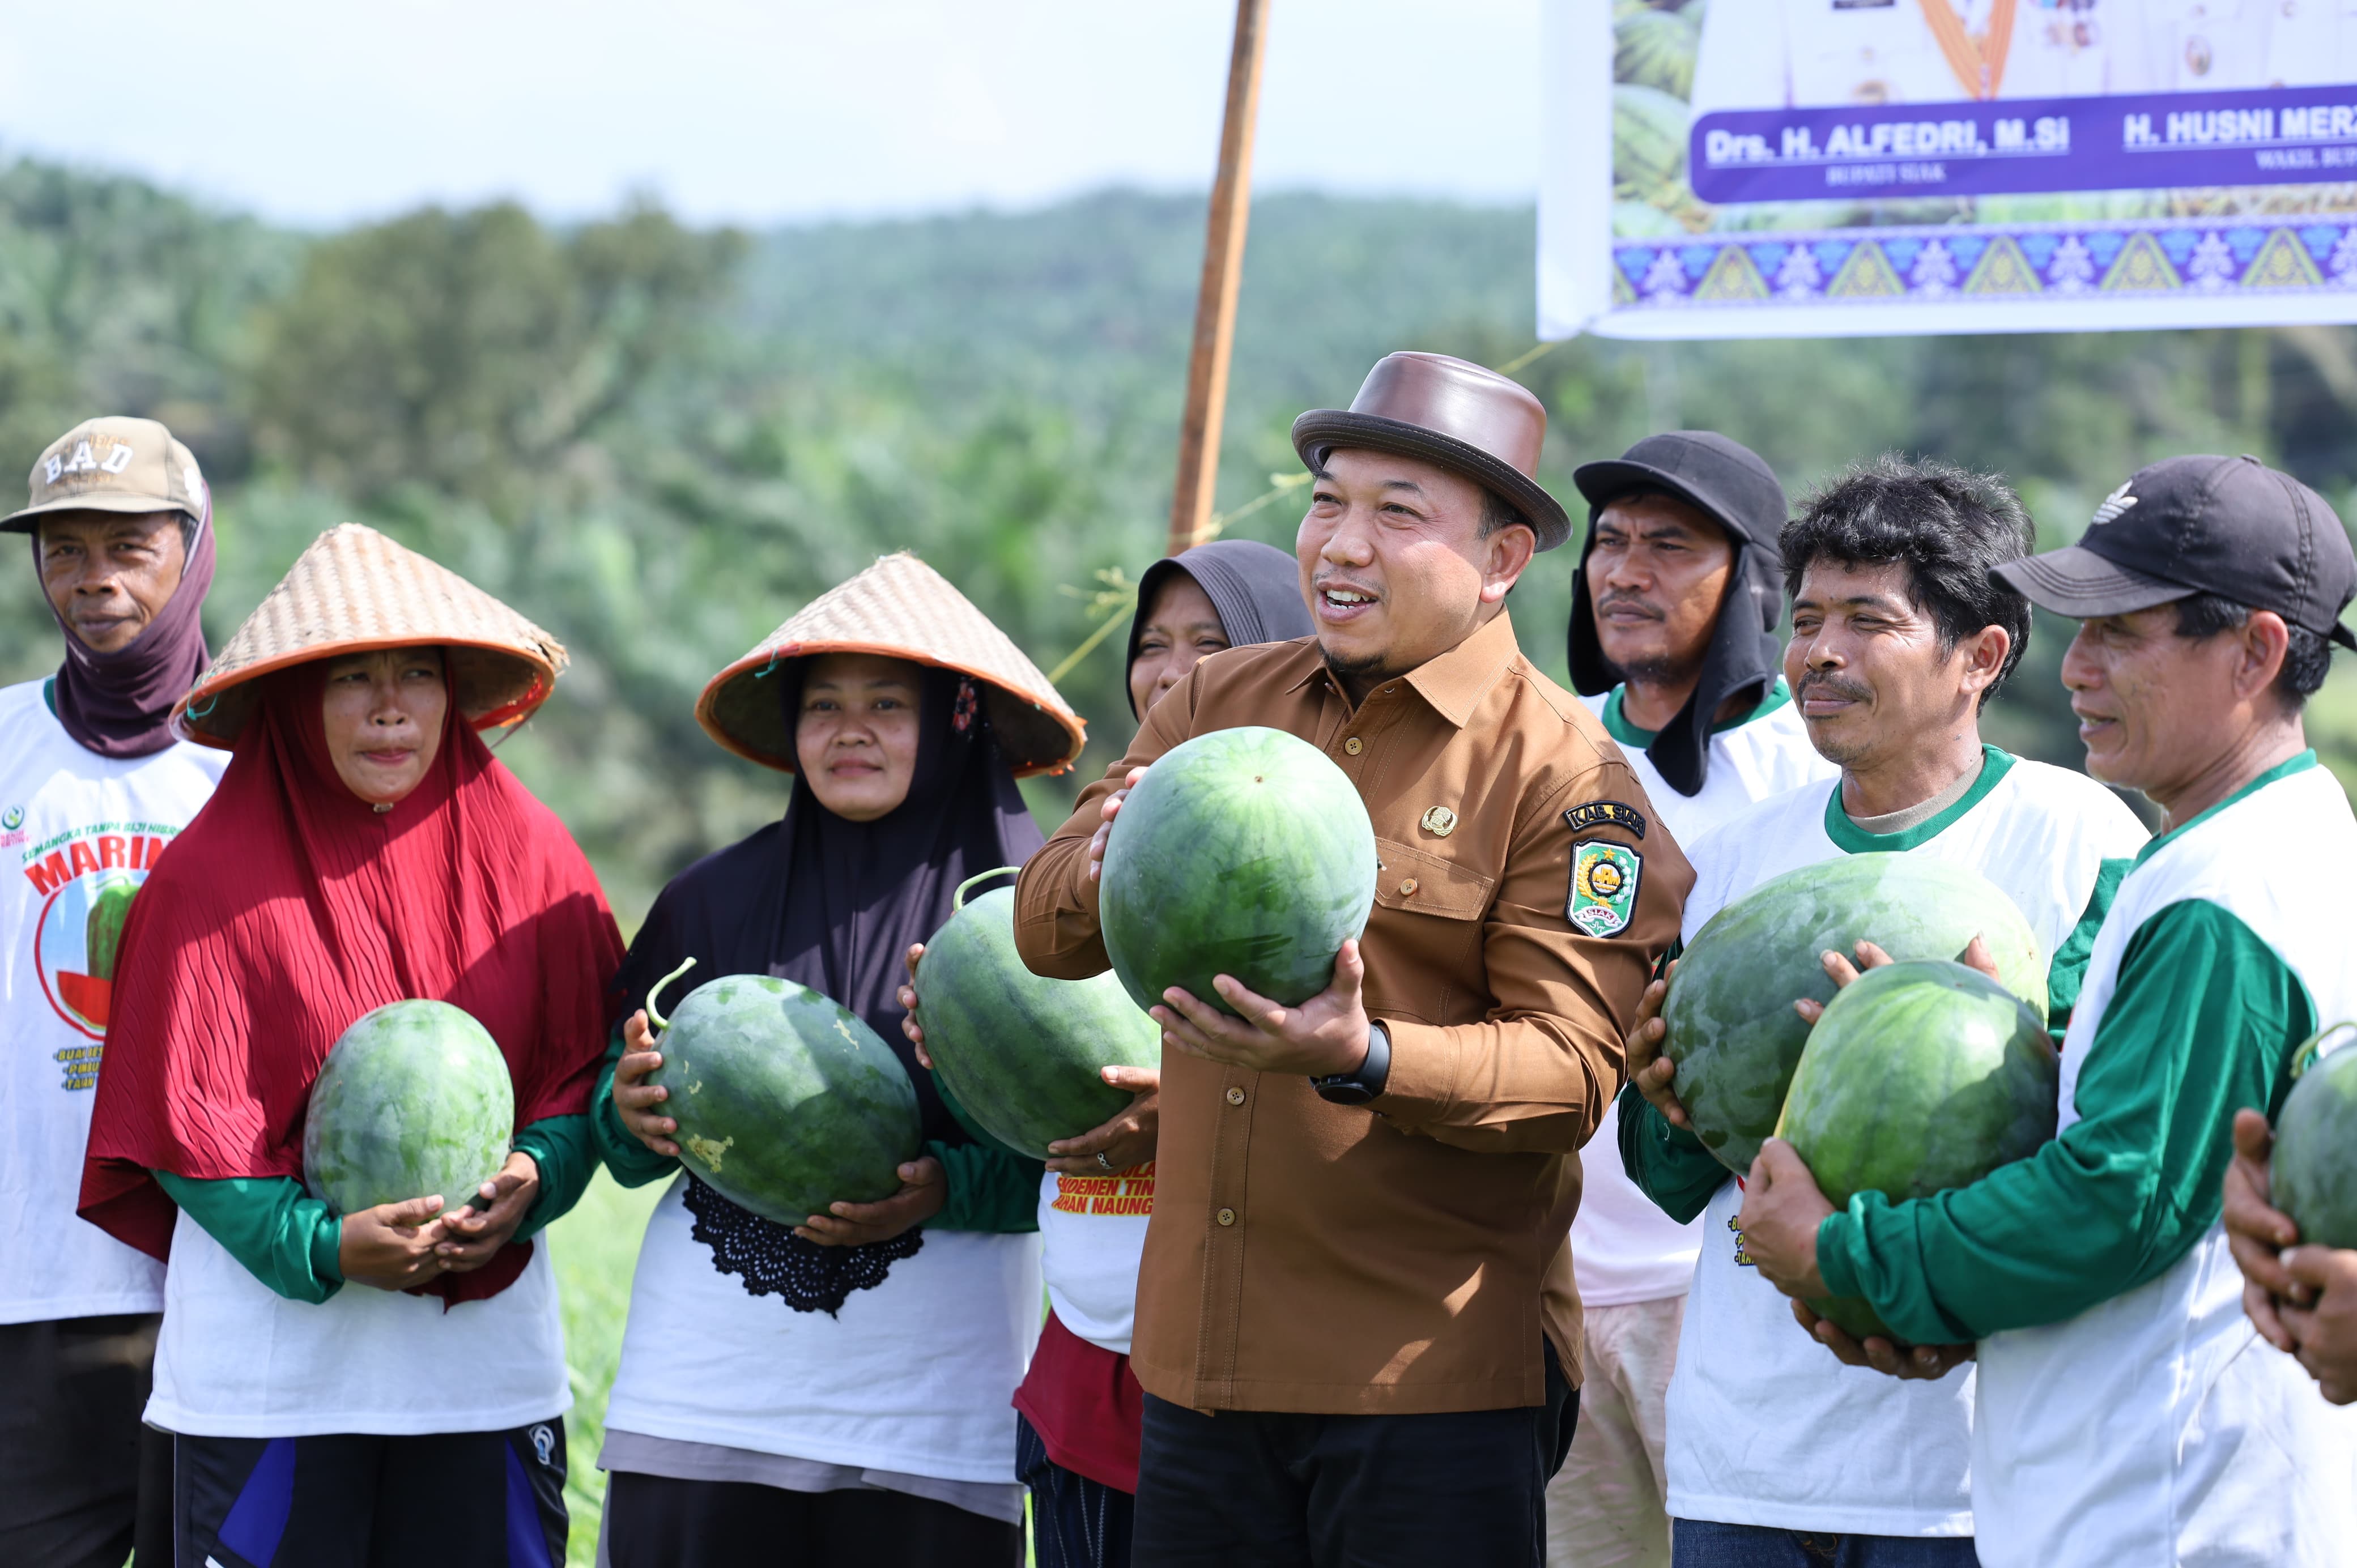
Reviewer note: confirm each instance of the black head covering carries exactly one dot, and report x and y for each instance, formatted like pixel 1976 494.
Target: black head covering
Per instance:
pixel 834 905
pixel 1256 587
pixel 1737 490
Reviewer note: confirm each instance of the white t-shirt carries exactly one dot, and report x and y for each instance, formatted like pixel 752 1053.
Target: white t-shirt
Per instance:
pixel 1623 1248
pixel 2156 1427
pixel 1092 1234
pixel 238 1360
pixel 1765 1427
pixel 78 833
pixel 915 1376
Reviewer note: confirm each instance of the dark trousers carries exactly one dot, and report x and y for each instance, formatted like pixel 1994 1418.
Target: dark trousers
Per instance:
pixel 1250 1489
pixel 1075 1522
pixel 656 1522
pixel 1706 1543
pixel 456 1500
pixel 78 1471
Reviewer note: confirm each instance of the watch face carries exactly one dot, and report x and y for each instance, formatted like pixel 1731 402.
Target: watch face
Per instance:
pixel 1344 1091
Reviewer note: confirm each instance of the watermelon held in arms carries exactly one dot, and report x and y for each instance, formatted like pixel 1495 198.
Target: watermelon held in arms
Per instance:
pixel 1022 1053
pixel 414 1100
pixel 786 1101
pixel 1731 1028
pixel 2314 1168
pixel 1244 853
pixel 1921 1077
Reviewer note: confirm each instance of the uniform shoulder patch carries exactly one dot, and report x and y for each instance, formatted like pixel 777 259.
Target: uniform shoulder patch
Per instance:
pixel 1603 894
pixel 1606 814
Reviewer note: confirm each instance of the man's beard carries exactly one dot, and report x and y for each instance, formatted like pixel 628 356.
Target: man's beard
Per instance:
pixel 1841 753
pixel 1374 667
pixel 1661 670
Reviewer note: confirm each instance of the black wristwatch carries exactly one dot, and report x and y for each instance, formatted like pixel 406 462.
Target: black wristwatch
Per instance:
pixel 1359 1087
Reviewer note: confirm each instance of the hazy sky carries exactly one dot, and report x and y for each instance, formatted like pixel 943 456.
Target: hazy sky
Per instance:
pixel 753 113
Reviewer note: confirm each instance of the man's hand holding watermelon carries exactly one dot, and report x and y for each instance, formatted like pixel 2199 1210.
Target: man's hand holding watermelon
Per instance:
pixel 1783 1208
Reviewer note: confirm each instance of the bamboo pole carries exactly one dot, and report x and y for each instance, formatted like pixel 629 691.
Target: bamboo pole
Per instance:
pixel 1215 304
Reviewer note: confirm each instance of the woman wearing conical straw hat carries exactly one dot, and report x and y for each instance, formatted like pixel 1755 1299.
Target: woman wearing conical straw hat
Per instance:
pixel 386 1385
pixel 838 1392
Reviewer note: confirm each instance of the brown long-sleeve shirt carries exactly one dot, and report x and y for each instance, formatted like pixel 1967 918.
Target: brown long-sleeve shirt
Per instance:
pixel 1403 1256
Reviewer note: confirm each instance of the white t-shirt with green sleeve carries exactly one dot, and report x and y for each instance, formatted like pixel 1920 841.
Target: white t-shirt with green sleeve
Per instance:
pixel 1623 1248
pixel 1765 1427
pixel 2129 1413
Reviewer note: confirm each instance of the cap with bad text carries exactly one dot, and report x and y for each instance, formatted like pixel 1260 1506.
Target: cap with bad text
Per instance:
pixel 2228 526
pixel 113 464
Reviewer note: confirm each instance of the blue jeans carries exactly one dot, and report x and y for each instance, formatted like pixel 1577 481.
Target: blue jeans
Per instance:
pixel 1706 1543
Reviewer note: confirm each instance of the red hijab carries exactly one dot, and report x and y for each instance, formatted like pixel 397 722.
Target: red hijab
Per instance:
pixel 288 908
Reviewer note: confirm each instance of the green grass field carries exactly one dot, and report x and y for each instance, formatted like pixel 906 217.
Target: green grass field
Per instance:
pixel 595 1249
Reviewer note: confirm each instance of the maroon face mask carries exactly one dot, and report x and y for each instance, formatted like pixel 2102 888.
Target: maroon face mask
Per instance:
pixel 117 704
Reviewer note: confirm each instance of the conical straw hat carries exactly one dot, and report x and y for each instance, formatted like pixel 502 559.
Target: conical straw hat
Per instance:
pixel 355 590
pixel 904 610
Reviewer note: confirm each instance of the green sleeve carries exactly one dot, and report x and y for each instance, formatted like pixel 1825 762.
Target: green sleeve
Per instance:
pixel 1668 1164
pixel 285 1238
pixel 567 1158
pixel 2202 1021
pixel 626 1160
pixel 2068 970
pixel 992 1187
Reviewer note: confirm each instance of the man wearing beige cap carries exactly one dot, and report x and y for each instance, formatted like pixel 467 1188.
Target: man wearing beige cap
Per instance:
pixel 1357 1327
pixel 93 787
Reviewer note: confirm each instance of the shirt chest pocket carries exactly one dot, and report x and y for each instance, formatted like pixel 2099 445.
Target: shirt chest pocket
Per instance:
pixel 1428 928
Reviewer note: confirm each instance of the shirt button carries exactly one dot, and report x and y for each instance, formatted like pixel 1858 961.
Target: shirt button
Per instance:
pixel 1235 1097
pixel 1354 745
pixel 1227 1217
pixel 1407 887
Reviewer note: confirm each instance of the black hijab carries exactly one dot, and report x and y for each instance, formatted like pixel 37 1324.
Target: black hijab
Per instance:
pixel 1256 587
pixel 834 904
pixel 1731 485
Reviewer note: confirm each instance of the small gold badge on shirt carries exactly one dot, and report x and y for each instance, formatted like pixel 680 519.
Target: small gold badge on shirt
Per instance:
pixel 1440 822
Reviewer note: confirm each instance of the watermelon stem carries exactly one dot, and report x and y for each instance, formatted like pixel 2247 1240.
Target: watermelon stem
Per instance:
pixel 2313 1047
pixel 957 899
pixel 659 1022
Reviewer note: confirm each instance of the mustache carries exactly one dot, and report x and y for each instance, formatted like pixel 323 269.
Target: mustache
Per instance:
pixel 1646 607
pixel 1834 686
pixel 1319 584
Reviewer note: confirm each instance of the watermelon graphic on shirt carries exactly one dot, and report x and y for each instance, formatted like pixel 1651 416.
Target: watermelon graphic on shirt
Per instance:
pixel 91 994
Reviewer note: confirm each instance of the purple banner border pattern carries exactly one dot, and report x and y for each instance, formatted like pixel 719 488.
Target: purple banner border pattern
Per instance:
pixel 2009 263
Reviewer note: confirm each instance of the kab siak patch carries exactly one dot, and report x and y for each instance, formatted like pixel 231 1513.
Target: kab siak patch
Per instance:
pixel 1603 886
pixel 1606 814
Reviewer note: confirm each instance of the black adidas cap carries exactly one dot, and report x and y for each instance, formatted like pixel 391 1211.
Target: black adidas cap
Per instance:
pixel 2228 526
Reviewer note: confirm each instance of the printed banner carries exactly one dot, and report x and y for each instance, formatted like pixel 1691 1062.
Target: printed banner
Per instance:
pixel 1728 169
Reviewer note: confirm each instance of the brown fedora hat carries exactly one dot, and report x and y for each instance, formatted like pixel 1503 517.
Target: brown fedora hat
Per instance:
pixel 1471 421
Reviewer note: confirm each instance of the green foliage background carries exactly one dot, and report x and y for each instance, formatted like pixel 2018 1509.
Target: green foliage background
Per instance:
pixel 660 442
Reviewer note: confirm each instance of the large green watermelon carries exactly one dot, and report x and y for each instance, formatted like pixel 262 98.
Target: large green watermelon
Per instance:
pixel 1656 48
pixel 1732 1030
pixel 1921 1077
pixel 1244 853
pixel 1649 141
pixel 2314 1162
pixel 786 1101
pixel 1022 1053
pixel 413 1100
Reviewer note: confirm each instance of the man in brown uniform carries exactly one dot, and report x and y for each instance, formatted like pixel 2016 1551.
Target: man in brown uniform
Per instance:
pixel 1357 1327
